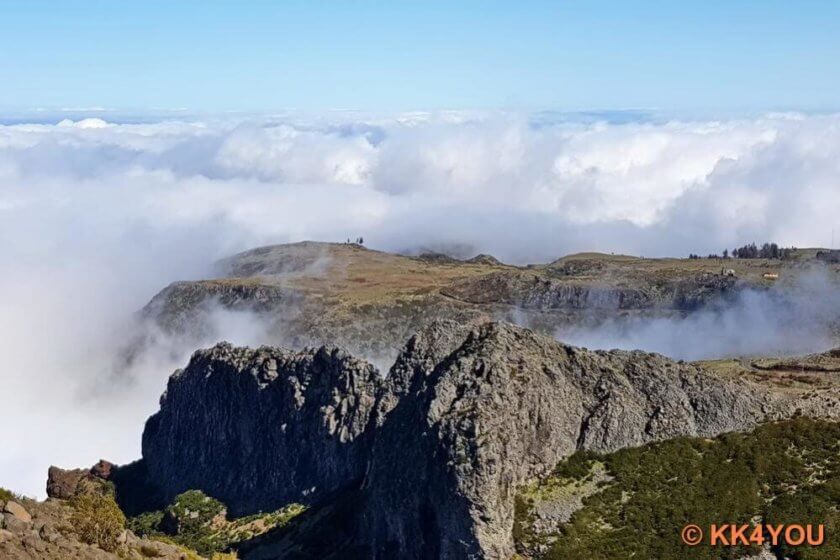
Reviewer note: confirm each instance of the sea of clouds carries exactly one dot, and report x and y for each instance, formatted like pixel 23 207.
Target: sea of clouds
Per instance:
pixel 97 214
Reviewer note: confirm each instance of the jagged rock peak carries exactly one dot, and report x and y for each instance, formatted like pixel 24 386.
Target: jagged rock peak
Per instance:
pixel 435 451
pixel 267 363
pixel 506 405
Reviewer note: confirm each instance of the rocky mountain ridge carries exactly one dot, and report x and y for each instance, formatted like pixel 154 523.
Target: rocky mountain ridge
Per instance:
pixel 431 455
pixel 370 302
pixel 421 450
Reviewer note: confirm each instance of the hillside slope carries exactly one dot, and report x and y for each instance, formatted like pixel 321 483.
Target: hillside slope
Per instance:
pixel 370 302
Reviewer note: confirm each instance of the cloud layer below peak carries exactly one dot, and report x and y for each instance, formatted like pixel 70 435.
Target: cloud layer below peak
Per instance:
pixel 501 183
pixel 96 216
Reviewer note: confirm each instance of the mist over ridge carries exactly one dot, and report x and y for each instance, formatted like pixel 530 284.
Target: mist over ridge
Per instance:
pixel 98 216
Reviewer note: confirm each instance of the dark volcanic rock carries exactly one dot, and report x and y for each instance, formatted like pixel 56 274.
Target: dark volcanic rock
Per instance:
pixel 505 406
pixel 432 456
pixel 258 429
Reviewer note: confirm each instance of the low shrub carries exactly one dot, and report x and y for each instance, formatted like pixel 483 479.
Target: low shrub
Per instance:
pixel 198 522
pixel 784 472
pixel 97 519
pixel 6 495
pixel 146 524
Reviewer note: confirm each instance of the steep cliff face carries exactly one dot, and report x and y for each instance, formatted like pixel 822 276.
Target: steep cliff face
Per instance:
pixel 548 291
pixel 432 454
pixel 261 428
pixel 370 302
pixel 183 306
pixel 505 406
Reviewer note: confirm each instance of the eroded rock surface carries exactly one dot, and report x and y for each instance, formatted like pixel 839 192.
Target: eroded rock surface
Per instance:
pixel 63 484
pixel 505 406
pixel 433 453
pixel 261 428
pixel 31 530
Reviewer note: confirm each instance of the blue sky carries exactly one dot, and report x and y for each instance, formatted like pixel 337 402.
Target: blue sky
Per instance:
pixel 263 56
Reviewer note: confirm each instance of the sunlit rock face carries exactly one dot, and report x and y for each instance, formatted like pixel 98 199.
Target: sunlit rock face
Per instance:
pixel 433 452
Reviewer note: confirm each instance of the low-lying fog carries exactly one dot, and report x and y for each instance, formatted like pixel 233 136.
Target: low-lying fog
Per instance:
pixel 796 319
pixel 96 217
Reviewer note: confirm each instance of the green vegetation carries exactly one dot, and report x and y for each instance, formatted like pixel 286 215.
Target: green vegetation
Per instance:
pixel 576 467
pixel 786 472
pixel 97 519
pixel 146 524
pixel 193 511
pixel 6 495
pixel 198 522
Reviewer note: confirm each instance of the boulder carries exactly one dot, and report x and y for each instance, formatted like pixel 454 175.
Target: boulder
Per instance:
pixel 102 469
pixel 49 533
pixel 34 543
pixel 15 524
pixel 62 483
pixel 17 511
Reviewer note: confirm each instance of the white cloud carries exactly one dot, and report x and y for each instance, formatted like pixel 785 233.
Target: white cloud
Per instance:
pixel 85 123
pixel 96 216
pixel 795 319
pixel 727 182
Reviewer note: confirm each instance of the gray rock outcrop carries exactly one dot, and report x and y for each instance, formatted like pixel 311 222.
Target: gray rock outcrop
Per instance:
pixel 506 406
pixel 258 428
pixel 435 451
